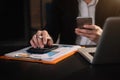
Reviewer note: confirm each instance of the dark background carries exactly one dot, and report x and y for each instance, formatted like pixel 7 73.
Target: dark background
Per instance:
pixel 14 22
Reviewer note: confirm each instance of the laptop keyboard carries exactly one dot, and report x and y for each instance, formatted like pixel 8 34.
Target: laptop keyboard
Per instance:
pixel 90 50
pixel 92 53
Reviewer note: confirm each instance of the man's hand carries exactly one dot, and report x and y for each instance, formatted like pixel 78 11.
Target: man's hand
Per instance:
pixel 40 39
pixel 93 32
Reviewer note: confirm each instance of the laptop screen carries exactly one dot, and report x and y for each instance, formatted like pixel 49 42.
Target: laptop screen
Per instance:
pixel 108 48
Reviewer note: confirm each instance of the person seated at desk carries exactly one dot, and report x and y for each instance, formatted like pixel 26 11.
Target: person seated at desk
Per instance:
pixel 62 24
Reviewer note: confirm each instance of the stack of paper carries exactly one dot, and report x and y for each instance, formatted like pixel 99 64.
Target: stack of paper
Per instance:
pixel 52 57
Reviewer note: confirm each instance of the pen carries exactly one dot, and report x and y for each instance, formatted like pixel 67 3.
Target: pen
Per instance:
pixel 42 37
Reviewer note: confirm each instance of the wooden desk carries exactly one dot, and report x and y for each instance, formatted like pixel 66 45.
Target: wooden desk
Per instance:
pixel 73 68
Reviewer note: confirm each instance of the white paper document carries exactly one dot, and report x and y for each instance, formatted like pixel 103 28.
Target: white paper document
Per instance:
pixel 49 56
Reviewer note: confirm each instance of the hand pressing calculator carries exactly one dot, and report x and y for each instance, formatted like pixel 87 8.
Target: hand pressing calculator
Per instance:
pixel 42 50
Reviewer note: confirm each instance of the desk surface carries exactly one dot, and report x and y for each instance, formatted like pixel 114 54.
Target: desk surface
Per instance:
pixel 72 68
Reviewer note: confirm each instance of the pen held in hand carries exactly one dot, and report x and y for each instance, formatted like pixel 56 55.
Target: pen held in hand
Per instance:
pixel 41 37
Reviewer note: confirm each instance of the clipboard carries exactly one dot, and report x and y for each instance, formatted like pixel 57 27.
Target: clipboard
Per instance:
pixel 52 57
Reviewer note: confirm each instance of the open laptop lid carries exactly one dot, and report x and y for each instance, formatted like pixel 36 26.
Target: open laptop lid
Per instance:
pixel 108 48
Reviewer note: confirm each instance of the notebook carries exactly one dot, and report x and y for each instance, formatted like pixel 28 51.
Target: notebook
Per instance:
pixel 108 49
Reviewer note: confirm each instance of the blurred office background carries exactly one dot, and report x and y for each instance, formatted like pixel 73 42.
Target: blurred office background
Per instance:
pixel 20 19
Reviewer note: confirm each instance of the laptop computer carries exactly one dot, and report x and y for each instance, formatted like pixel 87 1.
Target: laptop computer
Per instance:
pixel 108 49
